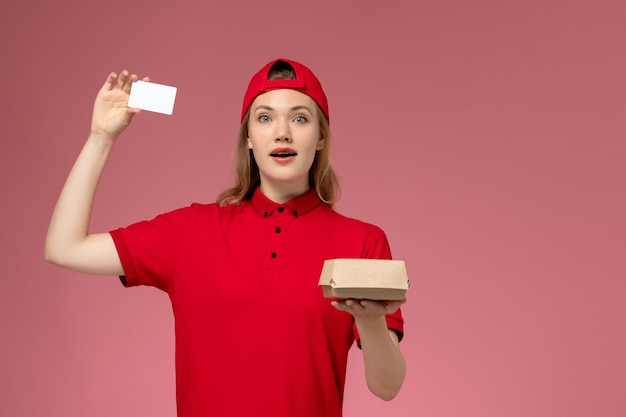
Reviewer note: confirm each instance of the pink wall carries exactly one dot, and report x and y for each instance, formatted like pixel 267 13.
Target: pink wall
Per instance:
pixel 486 137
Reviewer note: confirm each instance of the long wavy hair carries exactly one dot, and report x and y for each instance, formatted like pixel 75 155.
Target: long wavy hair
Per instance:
pixel 322 178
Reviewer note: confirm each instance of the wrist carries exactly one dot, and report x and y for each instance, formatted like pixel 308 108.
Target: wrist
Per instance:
pixel 371 322
pixel 102 138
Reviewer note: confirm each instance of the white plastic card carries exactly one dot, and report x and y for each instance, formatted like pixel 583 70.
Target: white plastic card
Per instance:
pixel 153 97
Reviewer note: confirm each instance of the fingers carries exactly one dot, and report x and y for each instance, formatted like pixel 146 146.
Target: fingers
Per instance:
pixel 354 306
pixel 123 81
pixel 110 81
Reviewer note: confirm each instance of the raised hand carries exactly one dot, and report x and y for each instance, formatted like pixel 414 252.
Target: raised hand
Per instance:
pixel 111 114
pixel 69 242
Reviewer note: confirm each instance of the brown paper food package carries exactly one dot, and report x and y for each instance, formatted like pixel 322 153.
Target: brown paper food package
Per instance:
pixel 372 279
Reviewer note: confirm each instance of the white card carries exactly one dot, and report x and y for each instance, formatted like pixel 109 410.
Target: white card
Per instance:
pixel 154 97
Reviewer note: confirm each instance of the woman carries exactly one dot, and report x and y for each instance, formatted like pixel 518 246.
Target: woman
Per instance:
pixel 274 345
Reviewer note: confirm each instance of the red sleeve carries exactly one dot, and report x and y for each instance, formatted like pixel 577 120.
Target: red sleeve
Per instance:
pixel 149 250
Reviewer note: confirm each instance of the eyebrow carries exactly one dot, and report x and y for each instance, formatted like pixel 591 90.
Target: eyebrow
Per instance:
pixel 295 108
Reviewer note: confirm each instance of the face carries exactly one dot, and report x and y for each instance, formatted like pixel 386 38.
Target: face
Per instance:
pixel 284 135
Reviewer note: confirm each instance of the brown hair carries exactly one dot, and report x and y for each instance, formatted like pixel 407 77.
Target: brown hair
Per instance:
pixel 322 178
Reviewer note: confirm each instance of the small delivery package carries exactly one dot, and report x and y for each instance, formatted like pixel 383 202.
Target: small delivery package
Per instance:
pixel 372 279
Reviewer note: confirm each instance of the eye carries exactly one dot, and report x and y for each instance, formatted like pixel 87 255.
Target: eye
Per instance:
pixel 300 119
pixel 264 118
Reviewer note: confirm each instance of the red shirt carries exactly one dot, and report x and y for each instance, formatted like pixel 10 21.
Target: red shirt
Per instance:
pixel 254 335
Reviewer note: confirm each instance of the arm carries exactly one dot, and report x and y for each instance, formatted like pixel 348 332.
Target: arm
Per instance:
pixel 68 242
pixel 384 363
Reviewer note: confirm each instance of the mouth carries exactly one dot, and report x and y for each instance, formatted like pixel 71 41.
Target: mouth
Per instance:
pixel 283 153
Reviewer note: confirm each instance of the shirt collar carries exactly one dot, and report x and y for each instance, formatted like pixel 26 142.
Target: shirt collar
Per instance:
pixel 298 206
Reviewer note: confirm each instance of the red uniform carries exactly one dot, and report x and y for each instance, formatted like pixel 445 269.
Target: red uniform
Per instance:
pixel 254 335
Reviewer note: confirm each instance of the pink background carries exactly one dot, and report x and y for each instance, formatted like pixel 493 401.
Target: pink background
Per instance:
pixel 485 137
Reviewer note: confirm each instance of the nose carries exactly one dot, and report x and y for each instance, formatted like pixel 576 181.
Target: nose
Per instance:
pixel 283 132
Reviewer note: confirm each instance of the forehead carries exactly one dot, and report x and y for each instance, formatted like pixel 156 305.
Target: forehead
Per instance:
pixel 283 99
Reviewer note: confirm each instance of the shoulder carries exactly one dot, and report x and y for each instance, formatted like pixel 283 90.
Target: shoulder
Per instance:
pixel 351 222
pixel 208 208
pixel 183 216
pixel 352 237
pixel 190 211
pixel 343 226
pixel 202 212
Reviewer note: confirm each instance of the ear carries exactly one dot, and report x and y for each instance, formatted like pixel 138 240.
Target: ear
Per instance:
pixel 249 143
pixel 321 143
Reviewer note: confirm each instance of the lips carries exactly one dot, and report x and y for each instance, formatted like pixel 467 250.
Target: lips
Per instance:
pixel 283 153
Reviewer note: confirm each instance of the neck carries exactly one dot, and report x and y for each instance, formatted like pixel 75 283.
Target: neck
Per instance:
pixel 281 193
